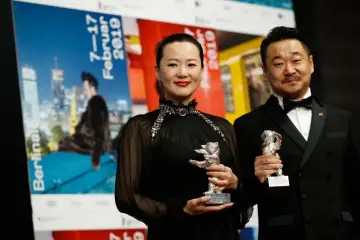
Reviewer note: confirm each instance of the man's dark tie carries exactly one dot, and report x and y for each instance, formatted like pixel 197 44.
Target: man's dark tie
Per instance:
pixel 304 103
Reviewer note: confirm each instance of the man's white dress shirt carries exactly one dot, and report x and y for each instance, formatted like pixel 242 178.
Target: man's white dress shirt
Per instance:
pixel 300 117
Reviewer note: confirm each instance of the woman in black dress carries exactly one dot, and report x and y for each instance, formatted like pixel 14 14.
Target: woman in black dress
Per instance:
pixel 155 183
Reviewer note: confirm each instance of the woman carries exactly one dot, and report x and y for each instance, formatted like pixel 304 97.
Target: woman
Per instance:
pixel 155 182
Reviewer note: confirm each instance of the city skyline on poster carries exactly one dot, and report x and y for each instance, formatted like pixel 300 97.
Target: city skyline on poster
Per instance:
pixel 53 58
pixel 59 113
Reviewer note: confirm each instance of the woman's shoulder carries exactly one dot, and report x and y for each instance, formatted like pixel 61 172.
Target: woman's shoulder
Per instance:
pixel 218 120
pixel 142 121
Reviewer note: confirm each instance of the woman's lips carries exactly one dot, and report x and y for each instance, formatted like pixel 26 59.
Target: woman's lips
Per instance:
pixel 182 83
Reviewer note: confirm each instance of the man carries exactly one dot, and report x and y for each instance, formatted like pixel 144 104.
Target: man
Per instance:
pixel 92 135
pixel 318 152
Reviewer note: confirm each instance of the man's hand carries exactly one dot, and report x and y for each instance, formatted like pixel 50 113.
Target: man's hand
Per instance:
pixel 265 165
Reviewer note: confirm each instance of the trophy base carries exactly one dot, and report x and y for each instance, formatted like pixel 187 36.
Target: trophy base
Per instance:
pixel 218 198
pixel 279 181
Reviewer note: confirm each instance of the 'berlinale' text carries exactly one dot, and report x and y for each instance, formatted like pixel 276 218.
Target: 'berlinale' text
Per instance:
pixel 38 182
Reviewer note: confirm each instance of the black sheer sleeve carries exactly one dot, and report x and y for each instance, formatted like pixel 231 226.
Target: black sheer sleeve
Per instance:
pixel 243 211
pixel 133 153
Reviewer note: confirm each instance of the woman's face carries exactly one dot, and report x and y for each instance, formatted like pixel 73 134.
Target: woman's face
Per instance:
pixel 180 71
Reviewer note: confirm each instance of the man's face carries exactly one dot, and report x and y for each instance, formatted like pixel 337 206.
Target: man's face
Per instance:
pixel 288 68
pixel 88 89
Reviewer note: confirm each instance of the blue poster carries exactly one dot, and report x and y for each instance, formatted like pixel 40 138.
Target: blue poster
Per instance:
pixel 282 4
pixel 75 96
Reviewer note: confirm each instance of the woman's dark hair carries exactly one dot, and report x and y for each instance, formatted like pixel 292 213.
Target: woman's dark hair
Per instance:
pixel 159 88
pixel 177 37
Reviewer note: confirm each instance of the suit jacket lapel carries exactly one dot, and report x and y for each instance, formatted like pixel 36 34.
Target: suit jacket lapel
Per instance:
pixel 316 128
pixel 280 118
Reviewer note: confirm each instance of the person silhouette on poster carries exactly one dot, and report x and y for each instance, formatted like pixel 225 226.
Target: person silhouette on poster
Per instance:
pixel 92 134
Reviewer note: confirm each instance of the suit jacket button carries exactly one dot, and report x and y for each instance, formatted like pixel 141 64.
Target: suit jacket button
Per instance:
pixel 300 174
pixel 304 196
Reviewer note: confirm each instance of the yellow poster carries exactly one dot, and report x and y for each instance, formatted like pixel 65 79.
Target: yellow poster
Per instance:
pixel 242 77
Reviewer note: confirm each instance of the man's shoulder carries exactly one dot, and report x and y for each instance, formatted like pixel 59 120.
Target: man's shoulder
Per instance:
pixel 250 117
pixel 334 109
pixel 96 100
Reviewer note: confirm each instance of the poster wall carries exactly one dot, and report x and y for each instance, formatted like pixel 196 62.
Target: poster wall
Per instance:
pixel 75 98
pixel 86 67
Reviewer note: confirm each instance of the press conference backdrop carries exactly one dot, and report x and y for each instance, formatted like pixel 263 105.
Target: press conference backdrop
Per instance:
pixel 115 40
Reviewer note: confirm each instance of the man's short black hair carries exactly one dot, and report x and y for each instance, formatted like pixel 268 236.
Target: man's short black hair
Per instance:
pixel 86 76
pixel 278 34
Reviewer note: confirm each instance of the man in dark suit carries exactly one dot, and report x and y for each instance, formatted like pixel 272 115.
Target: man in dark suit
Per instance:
pixel 318 153
pixel 92 134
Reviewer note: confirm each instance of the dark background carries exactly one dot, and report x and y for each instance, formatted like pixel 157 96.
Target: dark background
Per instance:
pixel 333 31
pixel 13 132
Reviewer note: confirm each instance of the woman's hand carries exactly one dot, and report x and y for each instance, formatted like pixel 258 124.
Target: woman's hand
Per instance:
pixel 222 177
pixel 197 206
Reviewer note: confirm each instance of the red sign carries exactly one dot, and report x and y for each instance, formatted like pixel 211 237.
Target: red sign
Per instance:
pixel 210 95
pixel 123 234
